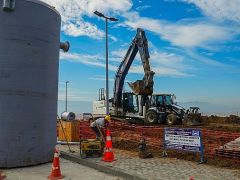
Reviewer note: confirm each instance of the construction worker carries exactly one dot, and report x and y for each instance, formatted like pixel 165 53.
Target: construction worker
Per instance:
pixel 99 124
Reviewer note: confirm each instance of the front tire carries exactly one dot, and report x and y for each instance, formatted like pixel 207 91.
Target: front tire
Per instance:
pixel 151 117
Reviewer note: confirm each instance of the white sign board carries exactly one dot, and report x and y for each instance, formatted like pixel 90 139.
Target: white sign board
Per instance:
pixel 183 139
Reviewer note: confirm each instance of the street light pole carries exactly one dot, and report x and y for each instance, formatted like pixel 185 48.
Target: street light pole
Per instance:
pixel 66 97
pixel 107 88
pixel 107 85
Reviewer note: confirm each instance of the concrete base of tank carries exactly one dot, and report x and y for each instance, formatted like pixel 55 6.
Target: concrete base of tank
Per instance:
pixel 25 162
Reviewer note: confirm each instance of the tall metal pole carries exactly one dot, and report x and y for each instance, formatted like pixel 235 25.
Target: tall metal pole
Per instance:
pixel 107 88
pixel 66 97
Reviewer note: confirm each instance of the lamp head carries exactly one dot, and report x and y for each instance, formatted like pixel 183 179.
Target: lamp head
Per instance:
pixel 113 19
pixel 99 14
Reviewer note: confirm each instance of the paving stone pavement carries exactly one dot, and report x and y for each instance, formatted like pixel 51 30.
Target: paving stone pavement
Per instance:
pixel 163 168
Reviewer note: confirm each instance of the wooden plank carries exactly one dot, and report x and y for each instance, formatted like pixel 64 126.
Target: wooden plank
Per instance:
pixel 71 130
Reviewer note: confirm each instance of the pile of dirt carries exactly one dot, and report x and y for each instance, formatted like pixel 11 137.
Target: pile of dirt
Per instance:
pixel 228 123
pixel 232 119
pixel 125 144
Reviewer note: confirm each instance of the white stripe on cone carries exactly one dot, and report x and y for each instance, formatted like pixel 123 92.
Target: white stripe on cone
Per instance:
pixel 108 138
pixel 54 168
pixel 56 155
pixel 108 149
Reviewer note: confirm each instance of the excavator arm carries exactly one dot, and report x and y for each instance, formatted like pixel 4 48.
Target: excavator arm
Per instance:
pixel 140 87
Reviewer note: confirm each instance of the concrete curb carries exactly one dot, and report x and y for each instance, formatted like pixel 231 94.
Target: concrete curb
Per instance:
pixel 101 168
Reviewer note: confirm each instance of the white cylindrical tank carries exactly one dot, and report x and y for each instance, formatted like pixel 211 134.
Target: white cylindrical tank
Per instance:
pixel 29 58
pixel 69 116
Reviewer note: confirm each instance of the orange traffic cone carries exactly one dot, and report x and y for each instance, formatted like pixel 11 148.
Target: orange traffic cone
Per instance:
pixel 56 172
pixel 2 175
pixel 108 154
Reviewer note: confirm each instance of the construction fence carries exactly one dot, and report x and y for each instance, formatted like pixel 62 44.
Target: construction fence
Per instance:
pixel 222 145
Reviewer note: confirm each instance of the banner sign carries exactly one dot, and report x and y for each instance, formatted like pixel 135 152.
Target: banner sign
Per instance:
pixel 183 139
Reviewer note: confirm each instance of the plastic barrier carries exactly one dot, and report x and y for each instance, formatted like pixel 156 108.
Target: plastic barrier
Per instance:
pixel 217 144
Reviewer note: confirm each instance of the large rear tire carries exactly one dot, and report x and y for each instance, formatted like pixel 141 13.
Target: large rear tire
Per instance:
pixel 151 117
pixel 172 119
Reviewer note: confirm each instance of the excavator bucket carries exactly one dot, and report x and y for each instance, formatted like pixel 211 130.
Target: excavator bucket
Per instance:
pixel 138 87
pixel 144 86
pixel 192 117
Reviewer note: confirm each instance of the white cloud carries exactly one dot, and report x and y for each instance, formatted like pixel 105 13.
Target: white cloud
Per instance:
pixel 100 78
pixel 182 34
pixel 166 58
pixel 73 11
pixel 166 63
pixel 164 71
pixel 87 59
pixel 163 63
pixel 81 28
pixel 141 8
pixel 69 56
pixel 220 9
pixel 74 94
pixel 160 71
pixel 119 53
pixel 196 56
pixel 197 34
pixel 75 8
pixel 113 38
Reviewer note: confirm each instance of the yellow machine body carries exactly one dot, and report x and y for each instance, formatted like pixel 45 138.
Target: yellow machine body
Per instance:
pixel 91 148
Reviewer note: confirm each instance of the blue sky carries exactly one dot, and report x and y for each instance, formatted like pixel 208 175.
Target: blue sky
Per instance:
pixel 193 44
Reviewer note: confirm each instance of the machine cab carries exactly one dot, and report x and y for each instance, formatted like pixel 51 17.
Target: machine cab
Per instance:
pixel 130 102
pixel 162 100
